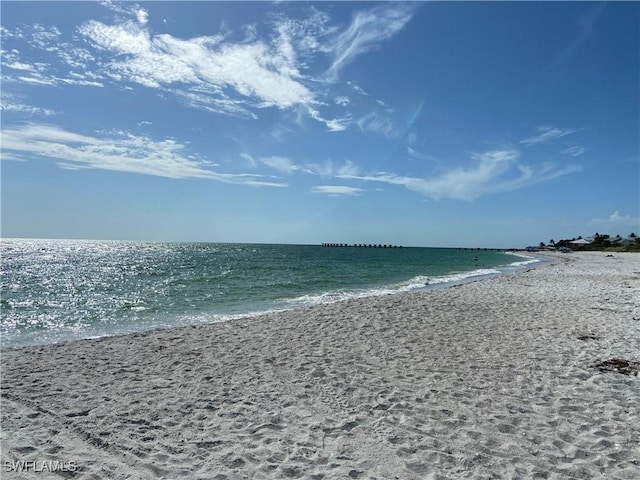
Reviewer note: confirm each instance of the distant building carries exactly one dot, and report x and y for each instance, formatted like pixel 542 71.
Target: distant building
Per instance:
pixel 623 242
pixel 581 242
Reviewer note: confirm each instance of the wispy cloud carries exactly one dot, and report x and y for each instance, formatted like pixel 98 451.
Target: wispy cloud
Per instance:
pixel 119 151
pixel 547 134
pixel 10 103
pixel 368 29
pixel 617 220
pixel 377 122
pixel 326 169
pixel 336 125
pixel 47 39
pixel 211 73
pixel 281 164
pixel 20 66
pixel 330 169
pixel 491 172
pixel 336 190
pixel 587 25
pixel 259 74
pixel 574 151
pixel 333 125
pixel 615 217
pixel 264 70
pixel 249 159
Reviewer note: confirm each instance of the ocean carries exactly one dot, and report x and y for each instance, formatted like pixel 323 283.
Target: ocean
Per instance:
pixel 61 290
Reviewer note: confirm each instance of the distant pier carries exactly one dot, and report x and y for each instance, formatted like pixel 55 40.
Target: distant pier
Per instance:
pixel 360 245
pixel 379 245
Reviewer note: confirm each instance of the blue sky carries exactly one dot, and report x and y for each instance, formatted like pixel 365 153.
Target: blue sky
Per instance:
pixel 427 124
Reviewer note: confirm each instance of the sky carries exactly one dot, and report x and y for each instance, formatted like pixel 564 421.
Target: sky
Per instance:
pixel 463 124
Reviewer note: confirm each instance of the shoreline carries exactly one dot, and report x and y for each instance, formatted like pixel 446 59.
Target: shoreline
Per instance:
pixel 495 378
pixel 308 300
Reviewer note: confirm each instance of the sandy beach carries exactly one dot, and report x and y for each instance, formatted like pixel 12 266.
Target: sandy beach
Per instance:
pixel 527 375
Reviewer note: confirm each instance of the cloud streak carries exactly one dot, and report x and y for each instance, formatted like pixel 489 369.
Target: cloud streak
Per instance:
pixel 587 26
pixel 281 164
pixel 574 151
pixel 336 190
pixel 368 29
pixel 9 103
pixel 123 152
pixel 491 172
pixel 547 134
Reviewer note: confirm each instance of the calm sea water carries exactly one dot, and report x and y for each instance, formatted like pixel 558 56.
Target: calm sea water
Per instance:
pixel 58 290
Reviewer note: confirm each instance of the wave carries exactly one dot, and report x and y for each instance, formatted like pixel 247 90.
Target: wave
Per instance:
pixel 420 282
pixel 529 260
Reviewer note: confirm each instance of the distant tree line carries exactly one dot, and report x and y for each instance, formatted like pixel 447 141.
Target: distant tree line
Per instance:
pixel 599 242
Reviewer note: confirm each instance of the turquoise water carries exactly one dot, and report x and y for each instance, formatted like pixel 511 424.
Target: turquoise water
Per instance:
pixel 58 290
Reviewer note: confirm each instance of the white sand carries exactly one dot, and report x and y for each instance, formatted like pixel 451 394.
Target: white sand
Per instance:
pixel 484 380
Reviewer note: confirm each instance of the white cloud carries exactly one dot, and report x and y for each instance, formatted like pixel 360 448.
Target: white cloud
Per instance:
pixel 469 183
pixel 574 151
pixel 379 123
pixel 547 134
pixel 348 168
pixel 120 151
pixel 210 72
pixel 587 24
pixel 493 171
pixel 307 35
pixel 336 190
pixel 265 75
pixel 44 37
pixel 142 16
pixel 328 169
pixel 18 107
pixel 79 58
pixel 201 99
pixel 615 217
pixel 281 164
pixel 356 88
pixel 280 132
pixel 38 80
pixel 250 32
pixel 127 9
pixel 617 220
pixel 249 159
pixel 9 103
pixel 413 153
pixel 368 29
pixel 38 73
pixel 20 66
pixel 336 125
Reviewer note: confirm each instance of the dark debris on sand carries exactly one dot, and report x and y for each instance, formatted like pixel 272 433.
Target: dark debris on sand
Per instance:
pixel 584 338
pixel 619 365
